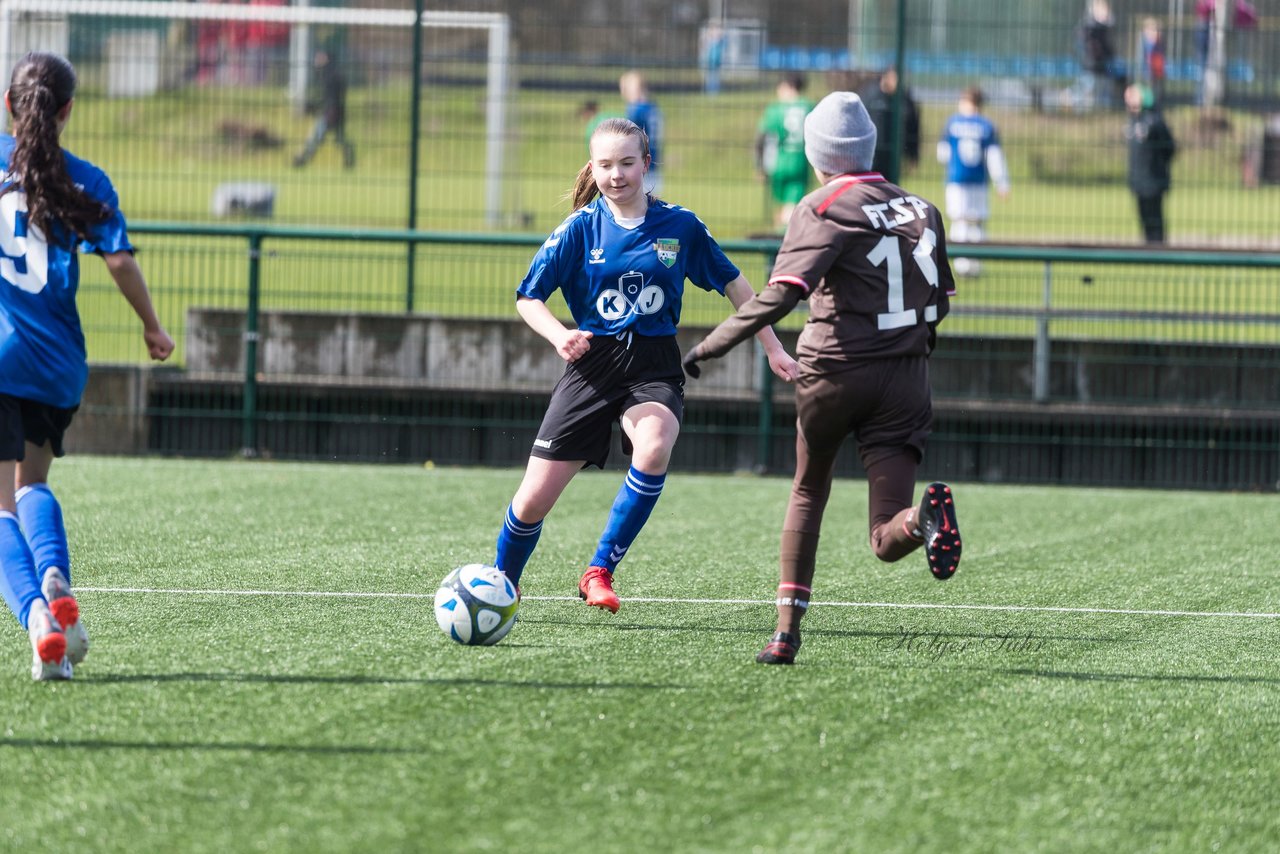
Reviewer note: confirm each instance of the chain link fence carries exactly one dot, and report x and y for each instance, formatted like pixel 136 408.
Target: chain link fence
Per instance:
pixel 341 284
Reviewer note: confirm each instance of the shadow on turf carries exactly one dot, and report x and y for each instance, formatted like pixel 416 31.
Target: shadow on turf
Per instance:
pixel 1136 677
pixel 358 679
pixel 112 744
pixel 765 630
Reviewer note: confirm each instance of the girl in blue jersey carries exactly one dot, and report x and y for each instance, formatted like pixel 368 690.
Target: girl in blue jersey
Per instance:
pixel 52 204
pixel 620 260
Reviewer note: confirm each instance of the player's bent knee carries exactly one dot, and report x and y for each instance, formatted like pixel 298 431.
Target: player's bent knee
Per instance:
pixel 887 547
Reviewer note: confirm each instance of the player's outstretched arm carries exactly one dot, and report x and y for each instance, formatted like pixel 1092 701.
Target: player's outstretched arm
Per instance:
pixel 740 292
pixel 571 344
pixel 755 315
pixel 128 277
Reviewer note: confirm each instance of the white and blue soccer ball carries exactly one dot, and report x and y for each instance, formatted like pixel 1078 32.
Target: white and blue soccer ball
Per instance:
pixel 476 605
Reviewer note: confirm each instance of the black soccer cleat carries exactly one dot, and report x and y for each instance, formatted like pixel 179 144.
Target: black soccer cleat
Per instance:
pixel 781 649
pixel 936 521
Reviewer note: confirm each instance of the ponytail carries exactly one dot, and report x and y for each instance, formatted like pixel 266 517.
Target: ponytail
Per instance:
pixel 584 186
pixel 41 86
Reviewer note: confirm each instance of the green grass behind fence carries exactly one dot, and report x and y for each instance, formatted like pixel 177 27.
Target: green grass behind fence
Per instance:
pixel 167 154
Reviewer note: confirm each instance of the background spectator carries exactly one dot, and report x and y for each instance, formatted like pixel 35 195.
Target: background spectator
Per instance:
pixel 1151 151
pixel 878 99
pixel 332 109
pixel 1096 40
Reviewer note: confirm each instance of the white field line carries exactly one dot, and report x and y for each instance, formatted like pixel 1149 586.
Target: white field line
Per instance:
pixel 920 606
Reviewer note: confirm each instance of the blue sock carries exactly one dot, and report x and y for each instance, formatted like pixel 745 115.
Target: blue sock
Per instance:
pixel 631 510
pixel 41 519
pixel 515 544
pixel 18 583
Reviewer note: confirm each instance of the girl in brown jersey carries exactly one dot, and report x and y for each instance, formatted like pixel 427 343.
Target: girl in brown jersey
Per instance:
pixel 871 259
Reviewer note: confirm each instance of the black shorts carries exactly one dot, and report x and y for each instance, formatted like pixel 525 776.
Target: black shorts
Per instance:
pixel 614 375
pixel 24 421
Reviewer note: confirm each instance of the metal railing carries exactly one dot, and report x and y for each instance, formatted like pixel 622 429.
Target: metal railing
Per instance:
pixel 1052 296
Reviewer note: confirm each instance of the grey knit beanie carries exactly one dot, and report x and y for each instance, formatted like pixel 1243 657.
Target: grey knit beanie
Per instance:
pixel 839 136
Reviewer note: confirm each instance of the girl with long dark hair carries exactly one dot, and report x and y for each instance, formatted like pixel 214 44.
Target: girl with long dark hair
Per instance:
pixel 52 206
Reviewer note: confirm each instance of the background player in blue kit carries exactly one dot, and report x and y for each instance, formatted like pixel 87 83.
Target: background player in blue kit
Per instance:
pixel 50 201
pixel 645 114
pixel 970 151
pixel 620 261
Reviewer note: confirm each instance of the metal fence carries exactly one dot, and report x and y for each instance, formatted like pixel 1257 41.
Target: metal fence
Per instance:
pixel 199 111
pixel 353 300
pixel 1130 367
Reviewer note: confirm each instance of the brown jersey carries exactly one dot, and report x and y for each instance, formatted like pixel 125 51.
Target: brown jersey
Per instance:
pixel 872 260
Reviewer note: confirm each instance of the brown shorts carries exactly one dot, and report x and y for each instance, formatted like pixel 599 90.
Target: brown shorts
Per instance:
pixel 885 403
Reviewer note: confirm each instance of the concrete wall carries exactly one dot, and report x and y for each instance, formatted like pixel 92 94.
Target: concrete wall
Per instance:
pixel 112 417
pixel 411 388
pixel 425 351
pixel 410 350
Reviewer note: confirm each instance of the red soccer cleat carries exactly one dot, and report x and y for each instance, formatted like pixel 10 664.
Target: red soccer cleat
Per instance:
pixel 596 588
pixel 48 644
pixel 67 612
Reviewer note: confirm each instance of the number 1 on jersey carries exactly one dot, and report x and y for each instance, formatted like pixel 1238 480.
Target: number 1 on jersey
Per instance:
pixel 886 253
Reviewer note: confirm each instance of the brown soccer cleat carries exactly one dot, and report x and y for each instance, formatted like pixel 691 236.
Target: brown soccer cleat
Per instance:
pixel 596 588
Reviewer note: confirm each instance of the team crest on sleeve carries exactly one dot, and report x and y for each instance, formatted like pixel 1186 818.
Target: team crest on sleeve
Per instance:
pixel 667 249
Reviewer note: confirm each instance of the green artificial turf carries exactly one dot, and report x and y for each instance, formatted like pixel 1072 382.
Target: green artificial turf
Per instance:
pixel 260 716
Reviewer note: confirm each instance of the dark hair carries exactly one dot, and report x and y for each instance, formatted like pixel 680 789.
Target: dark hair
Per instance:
pixel 584 187
pixel 43 84
pixel 974 96
pixel 795 80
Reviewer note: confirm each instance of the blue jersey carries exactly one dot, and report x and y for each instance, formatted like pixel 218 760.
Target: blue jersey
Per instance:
pixel 969 138
pixel 616 279
pixel 649 118
pixel 42 353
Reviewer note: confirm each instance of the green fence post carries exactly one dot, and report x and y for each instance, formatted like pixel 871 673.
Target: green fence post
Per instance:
pixel 415 130
pixel 764 428
pixel 897 133
pixel 764 425
pixel 1040 358
pixel 249 413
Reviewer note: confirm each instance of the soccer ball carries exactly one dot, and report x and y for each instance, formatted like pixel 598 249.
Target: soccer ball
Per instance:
pixel 476 604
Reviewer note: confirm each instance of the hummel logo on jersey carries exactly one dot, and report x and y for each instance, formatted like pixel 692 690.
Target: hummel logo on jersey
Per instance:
pixel 597 256
pixel 543 443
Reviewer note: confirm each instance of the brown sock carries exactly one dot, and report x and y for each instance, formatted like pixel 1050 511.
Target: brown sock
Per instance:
pixel 896 538
pixel 797 558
